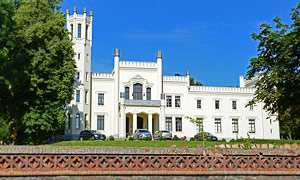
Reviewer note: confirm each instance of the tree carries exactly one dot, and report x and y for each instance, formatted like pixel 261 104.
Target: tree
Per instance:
pixel 37 68
pixel 199 123
pixel 278 66
pixel 197 83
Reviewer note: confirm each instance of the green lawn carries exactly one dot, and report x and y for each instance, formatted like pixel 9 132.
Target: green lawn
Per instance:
pixel 133 143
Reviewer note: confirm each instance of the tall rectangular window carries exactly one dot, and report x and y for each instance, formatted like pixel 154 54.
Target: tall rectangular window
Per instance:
pixel 100 122
pixel 69 121
pixel 218 125
pixel 235 126
pixel 200 125
pixel 169 124
pixel 217 104
pixel 148 93
pixel 198 104
pixel 251 125
pixel 77 121
pixel 126 92
pixel 177 101
pixel 72 31
pixel 85 121
pixel 85 97
pixel 77 95
pixel 79 31
pixel 78 56
pixel 233 104
pixel 169 101
pixel 86 31
pixel 251 107
pixel 78 75
pixel 100 99
pixel 178 124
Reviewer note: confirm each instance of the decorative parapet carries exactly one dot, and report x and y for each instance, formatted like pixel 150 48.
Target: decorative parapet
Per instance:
pixel 221 89
pixel 136 102
pixel 102 75
pixel 175 79
pixel 136 64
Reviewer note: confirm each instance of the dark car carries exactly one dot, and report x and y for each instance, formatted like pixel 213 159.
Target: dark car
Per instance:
pixel 141 134
pixel 207 135
pixel 87 134
pixel 162 133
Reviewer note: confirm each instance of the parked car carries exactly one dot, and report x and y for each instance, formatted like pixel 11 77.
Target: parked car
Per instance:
pixel 207 135
pixel 141 134
pixel 87 134
pixel 162 133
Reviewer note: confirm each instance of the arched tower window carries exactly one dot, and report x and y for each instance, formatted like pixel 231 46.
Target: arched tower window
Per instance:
pixel 72 30
pixel 86 31
pixel 138 91
pixel 126 92
pixel 148 93
pixel 77 121
pixel 79 31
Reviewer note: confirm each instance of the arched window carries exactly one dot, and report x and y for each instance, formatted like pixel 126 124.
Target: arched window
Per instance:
pixel 138 91
pixel 148 93
pixel 79 31
pixel 126 92
pixel 77 121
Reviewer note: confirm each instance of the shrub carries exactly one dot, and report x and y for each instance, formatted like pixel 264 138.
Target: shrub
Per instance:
pixel 130 138
pixel 175 138
pixel 162 139
pixel 111 138
pixel 75 139
pixel 232 140
pixel 91 139
pixel 200 139
pixel 208 139
pixel 192 139
pixel 148 138
pixel 223 140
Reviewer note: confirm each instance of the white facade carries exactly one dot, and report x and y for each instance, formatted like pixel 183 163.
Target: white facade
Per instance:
pixel 137 96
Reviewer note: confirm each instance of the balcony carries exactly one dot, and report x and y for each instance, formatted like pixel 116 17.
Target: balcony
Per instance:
pixel 136 102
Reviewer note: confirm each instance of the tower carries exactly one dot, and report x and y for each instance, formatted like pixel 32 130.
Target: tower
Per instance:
pixel 78 115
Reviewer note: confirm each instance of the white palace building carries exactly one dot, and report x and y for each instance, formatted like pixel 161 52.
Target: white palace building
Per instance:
pixel 136 95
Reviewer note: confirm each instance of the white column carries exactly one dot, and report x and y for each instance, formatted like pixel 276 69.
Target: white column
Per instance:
pixel 150 123
pixel 162 118
pixel 173 124
pixel 134 122
pixel 115 121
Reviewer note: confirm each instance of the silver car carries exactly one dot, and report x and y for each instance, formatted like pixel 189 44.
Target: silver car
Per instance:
pixel 141 134
pixel 162 133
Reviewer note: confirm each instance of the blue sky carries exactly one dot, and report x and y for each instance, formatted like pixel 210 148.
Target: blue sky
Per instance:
pixel 210 38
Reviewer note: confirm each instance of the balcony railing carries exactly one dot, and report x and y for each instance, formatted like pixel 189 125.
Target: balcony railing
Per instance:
pixel 136 102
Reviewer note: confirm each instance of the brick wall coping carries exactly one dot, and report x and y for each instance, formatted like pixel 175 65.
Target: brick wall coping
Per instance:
pixel 142 150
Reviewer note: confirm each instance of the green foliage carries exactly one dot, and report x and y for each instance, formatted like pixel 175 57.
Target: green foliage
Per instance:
pixel 4 129
pixel 175 138
pixel 91 139
pixel 147 138
pixel 36 69
pixel 197 83
pixel 199 123
pixel 130 138
pixel 223 140
pixel 75 139
pixel 111 138
pixel 192 139
pixel 208 139
pixel 278 68
pixel 232 140
pixel 162 138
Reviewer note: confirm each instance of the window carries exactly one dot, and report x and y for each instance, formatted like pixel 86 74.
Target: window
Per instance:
pixel 198 104
pixel 200 125
pixel 71 31
pixel 235 126
pixel 251 107
pixel 233 104
pixel 100 122
pixel 85 121
pixel 69 121
pixel 85 97
pixel 217 104
pixel 126 92
pixel 178 124
pixel 169 101
pixel 77 95
pixel 87 77
pixel 218 125
pixel 138 91
pixel 169 124
pixel 86 31
pixel 78 56
pixel 100 99
pixel 251 125
pixel 77 121
pixel 87 57
pixel 78 75
pixel 148 93
pixel 79 31
pixel 177 101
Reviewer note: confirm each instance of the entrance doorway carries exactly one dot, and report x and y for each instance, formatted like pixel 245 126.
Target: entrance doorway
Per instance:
pixel 140 122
